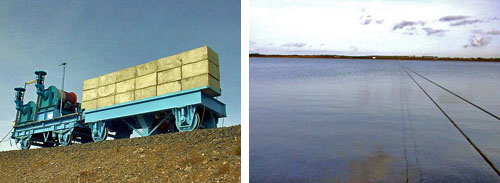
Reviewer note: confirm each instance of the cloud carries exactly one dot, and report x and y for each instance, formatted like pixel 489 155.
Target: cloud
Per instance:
pixel 322 44
pixel 477 31
pixel 407 24
pixel 367 21
pixel 493 32
pixel 431 31
pixel 489 19
pixel 298 45
pixel 354 48
pixel 252 46
pixel 481 38
pixel 452 18
pixel 410 31
pixel 465 22
pixel 479 41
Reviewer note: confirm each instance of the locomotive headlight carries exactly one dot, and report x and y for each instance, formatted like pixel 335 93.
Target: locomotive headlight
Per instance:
pixel 50 115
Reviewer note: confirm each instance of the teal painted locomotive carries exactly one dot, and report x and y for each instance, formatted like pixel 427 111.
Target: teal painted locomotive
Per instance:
pixel 57 119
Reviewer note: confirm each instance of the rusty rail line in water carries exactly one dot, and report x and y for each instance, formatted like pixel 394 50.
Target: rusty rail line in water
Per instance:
pixel 404 128
pixel 405 104
pixel 413 137
pixel 454 124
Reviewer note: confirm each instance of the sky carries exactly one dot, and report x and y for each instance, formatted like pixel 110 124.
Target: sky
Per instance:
pixel 99 37
pixel 467 28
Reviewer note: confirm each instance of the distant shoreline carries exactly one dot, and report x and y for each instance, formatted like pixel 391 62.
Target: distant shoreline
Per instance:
pixel 381 57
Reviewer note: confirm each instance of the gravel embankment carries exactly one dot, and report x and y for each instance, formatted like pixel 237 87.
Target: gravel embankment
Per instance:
pixel 199 156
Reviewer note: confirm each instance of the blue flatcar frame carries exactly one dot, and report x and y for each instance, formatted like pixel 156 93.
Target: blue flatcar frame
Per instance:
pixel 181 104
pixel 158 103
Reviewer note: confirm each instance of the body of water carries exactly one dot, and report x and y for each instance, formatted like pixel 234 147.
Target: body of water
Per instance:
pixel 325 120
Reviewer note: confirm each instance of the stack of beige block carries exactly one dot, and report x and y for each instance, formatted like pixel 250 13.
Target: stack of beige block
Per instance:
pixel 198 68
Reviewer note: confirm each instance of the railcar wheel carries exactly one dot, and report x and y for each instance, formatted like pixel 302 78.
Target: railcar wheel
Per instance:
pixel 99 131
pixel 187 119
pixel 190 126
pixel 197 121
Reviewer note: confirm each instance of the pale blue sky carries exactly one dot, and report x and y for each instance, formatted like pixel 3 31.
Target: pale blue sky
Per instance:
pixel 463 28
pixel 98 37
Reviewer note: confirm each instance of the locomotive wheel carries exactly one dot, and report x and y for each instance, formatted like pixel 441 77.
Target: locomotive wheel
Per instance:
pixel 65 139
pixel 26 144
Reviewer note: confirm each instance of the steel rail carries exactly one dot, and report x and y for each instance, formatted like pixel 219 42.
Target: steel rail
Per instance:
pixel 458 128
pixel 480 108
pixel 404 125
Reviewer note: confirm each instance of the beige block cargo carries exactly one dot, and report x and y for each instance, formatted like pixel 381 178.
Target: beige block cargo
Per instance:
pixel 145 93
pixel 199 68
pixel 198 54
pixel 88 105
pixel 106 101
pixel 91 83
pixel 200 81
pixel 125 86
pixel 145 81
pixel 168 88
pixel 169 62
pixel 169 75
pixel 124 97
pixel 89 95
pixel 126 74
pixel 105 91
pixel 107 79
pixel 147 68
pixel 187 70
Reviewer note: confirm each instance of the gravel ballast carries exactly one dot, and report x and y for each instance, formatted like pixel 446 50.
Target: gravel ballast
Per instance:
pixel 211 155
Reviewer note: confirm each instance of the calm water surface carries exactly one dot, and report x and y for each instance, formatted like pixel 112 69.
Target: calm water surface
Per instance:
pixel 323 120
